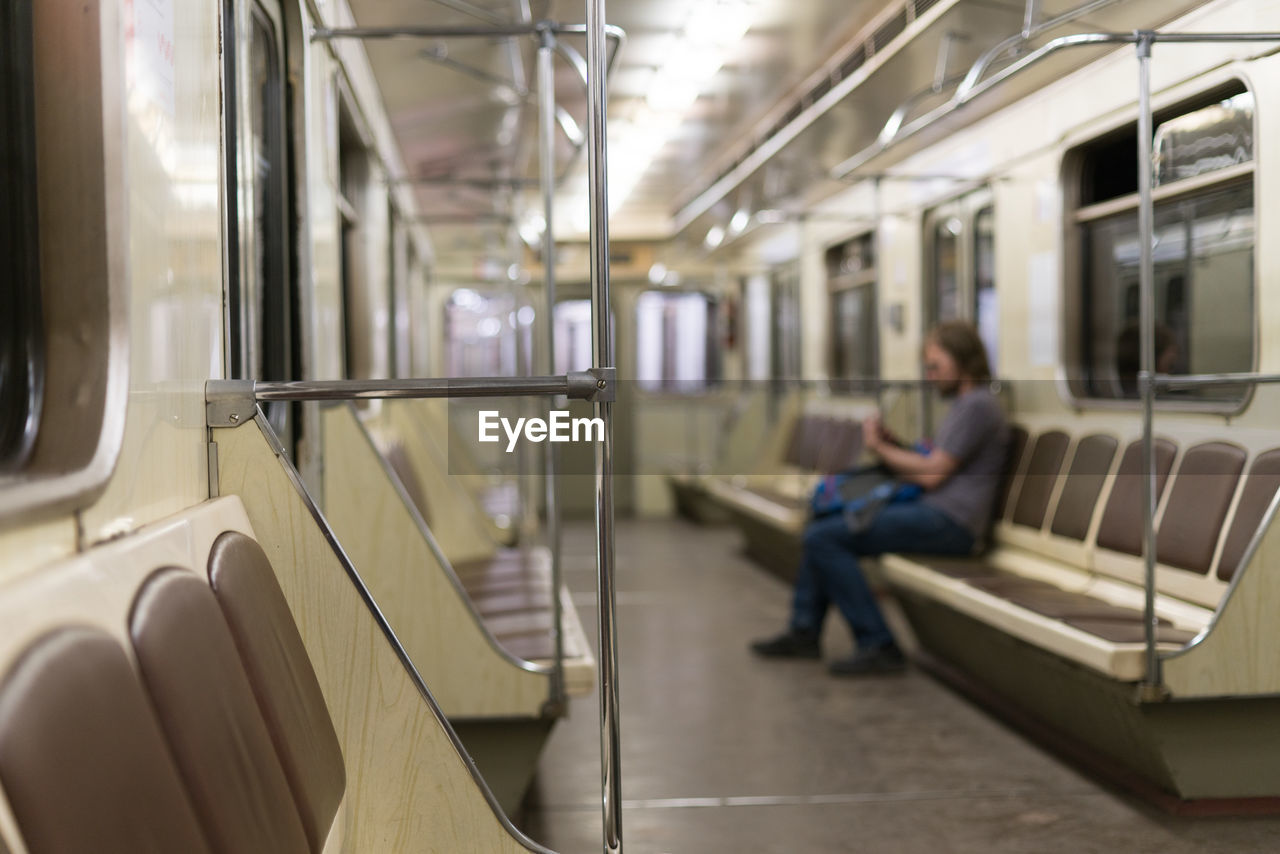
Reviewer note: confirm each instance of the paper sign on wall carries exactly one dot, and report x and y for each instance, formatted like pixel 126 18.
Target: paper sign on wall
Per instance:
pixel 1042 309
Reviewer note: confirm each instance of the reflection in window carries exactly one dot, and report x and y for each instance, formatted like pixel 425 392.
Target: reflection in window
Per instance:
pixel 1203 246
pixel 21 344
pixel 1203 253
pixel 675 334
pixel 946 268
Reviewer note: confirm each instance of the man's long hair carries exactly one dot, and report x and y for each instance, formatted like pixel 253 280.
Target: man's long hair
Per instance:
pixel 961 341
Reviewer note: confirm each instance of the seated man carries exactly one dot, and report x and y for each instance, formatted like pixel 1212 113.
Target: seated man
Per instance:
pixel 960 478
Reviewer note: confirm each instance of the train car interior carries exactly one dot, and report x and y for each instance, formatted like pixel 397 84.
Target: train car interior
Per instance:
pixel 416 415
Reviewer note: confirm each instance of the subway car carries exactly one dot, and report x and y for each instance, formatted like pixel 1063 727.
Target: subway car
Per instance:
pixel 411 412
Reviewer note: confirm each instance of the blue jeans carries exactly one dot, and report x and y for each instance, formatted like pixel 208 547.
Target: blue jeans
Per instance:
pixel 830 574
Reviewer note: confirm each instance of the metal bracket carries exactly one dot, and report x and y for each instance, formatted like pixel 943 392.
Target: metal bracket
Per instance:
pixel 606 385
pixel 228 403
pixel 1152 692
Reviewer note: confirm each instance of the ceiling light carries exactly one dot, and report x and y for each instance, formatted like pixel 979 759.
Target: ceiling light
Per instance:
pixel 715 236
pixel 657 273
pixel 740 221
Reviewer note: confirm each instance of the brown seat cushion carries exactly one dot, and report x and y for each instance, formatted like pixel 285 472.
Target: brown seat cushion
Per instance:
pixel 1090 466
pixel 1260 487
pixel 1121 526
pixel 1198 502
pixel 505 571
pixel 961 568
pixel 83 761
pixel 519 601
pixel 1129 631
pixel 215 730
pixel 282 678
pixel 1041 474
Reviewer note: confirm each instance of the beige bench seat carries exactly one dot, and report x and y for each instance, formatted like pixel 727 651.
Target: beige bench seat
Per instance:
pixel 1066 572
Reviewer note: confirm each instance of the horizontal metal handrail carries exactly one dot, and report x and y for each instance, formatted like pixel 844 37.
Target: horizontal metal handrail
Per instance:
pixel 409 31
pixel 1181 381
pixel 233 401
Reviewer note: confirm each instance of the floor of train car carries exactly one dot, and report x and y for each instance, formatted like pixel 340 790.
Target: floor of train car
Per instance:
pixel 725 753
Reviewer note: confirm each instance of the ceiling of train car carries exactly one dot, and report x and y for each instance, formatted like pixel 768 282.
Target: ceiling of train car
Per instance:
pixel 465 116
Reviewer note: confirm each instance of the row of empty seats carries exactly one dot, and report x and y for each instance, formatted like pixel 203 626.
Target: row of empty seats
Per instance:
pixel 1051 619
pixel 147 706
pixel 1056 512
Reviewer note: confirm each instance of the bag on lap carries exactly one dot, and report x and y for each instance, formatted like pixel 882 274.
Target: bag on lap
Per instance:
pixel 860 494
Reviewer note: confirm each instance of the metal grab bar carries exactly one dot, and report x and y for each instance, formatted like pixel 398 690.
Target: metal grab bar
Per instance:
pixel 602 339
pixel 230 402
pixel 408 31
pixel 1152 688
pixel 547 179
pixel 1180 381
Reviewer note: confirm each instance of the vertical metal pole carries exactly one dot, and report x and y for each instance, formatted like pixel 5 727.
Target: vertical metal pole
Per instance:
pixel 602 334
pixel 1147 321
pixel 547 177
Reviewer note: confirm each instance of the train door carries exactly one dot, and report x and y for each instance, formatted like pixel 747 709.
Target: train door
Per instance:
pixel 960 281
pixel 960 241
pixel 851 286
pixel 262 318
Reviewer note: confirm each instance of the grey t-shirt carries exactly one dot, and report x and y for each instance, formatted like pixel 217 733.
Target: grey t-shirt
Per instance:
pixel 975 433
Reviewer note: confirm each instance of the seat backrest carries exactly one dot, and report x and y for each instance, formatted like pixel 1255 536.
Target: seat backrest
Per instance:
pixel 142 710
pixel 83 761
pixel 1260 487
pixel 1017 446
pixel 1198 502
pixel 1090 465
pixel 1121 526
pixel 800 440
pixel 1043 468
pixel 842 447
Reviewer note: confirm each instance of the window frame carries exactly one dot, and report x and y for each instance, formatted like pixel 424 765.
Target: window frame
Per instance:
pixel 1073 384
pixel 80 121
pixel 867 279
pixel 968 204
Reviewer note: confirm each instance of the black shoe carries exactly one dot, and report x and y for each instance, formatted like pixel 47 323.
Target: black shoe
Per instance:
pixel 789 644
pixel 880 660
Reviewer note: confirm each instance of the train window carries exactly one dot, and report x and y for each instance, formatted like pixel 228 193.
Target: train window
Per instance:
pixel 1203 252
pixel 361 308
pixel 64 213
pixel 851 282
pixel 675 341
pixel 261 290
pixel 960 241
pixel 21 329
